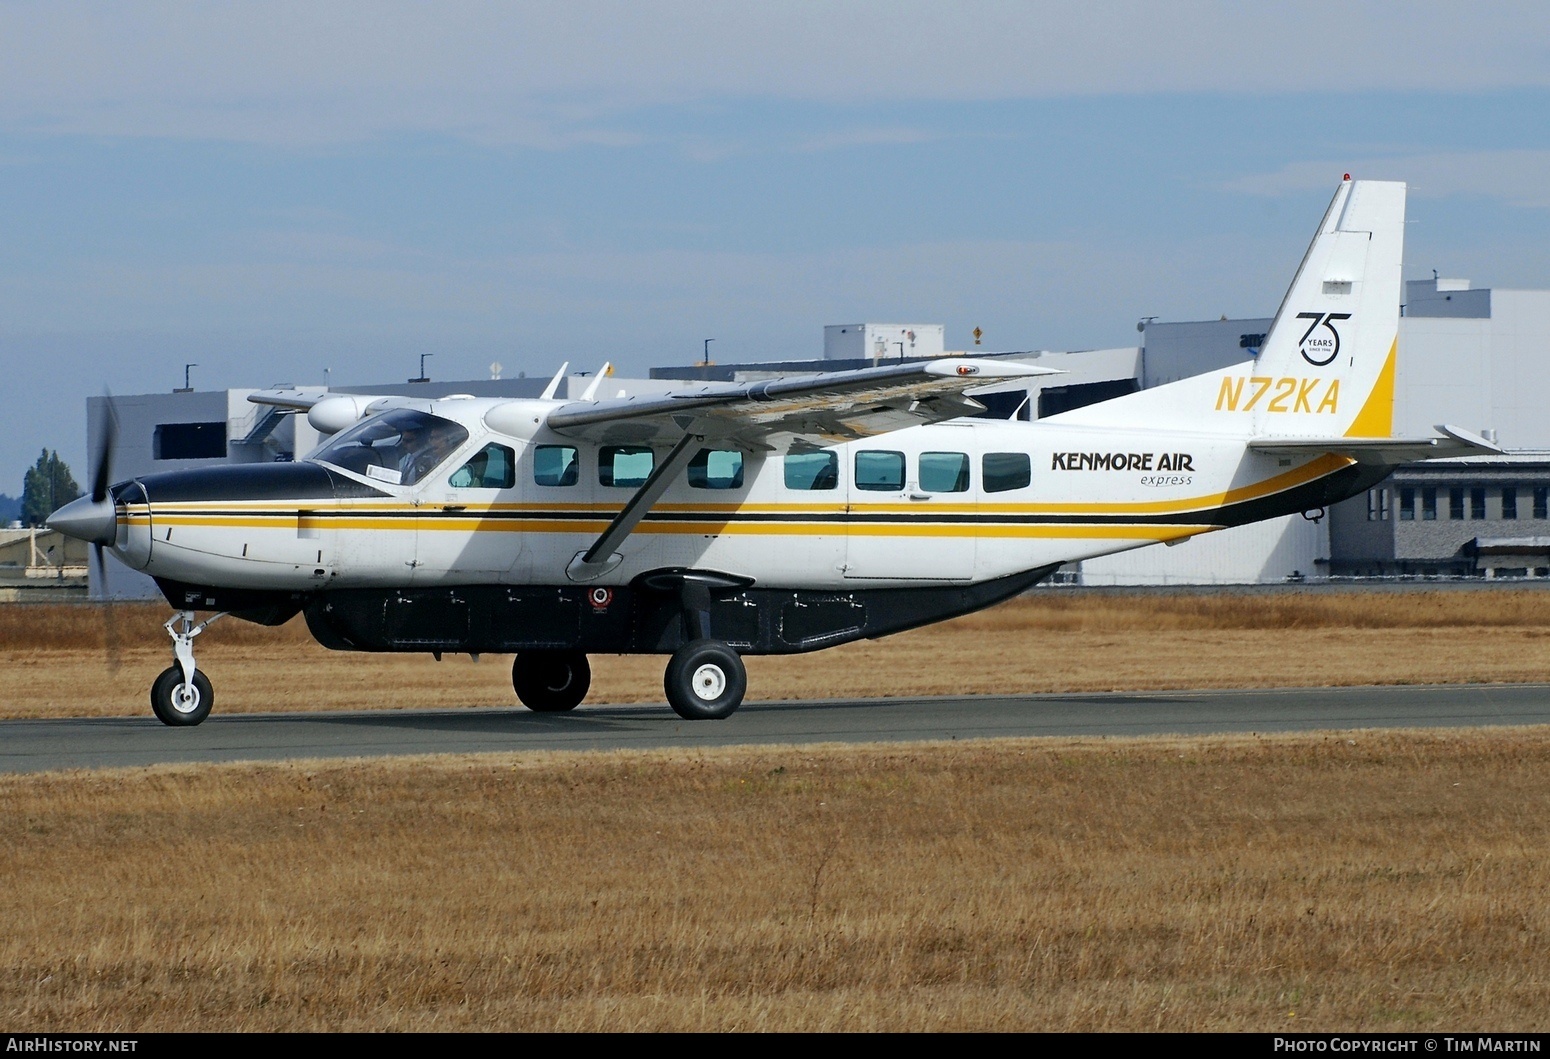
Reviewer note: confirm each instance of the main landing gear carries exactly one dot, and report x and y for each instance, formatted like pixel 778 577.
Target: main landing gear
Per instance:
pixel 705 680
pixel 551 681
pixel 182 696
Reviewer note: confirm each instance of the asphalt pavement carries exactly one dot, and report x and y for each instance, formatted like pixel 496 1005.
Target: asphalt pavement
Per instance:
pixel 117 742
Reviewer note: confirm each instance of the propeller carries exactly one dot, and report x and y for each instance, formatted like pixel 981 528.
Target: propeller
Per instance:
pixel 108 441
pixel 102 479
pixel 94 518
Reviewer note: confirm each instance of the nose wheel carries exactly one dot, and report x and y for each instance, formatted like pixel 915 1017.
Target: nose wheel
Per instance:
pixel 178 702
pixel 182 696
pixel 705 681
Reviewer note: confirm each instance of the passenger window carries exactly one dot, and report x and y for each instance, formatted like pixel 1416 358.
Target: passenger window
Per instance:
pixel 1001 471
pixel 716 469
pixel 944 472
pixel 624 466
pixel 812 470
pixel 493 467
pixel 555 465
pixel 880 471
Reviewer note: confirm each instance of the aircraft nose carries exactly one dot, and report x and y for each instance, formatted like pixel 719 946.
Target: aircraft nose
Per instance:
pixel 86 519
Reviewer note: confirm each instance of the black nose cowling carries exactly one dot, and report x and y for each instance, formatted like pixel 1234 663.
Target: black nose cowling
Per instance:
pixel 85 519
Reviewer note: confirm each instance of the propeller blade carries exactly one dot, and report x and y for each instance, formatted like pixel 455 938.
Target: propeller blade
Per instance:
pixel 109 626
pixel 108 442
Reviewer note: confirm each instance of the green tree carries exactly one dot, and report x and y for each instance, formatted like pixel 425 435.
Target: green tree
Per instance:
pixel 48 487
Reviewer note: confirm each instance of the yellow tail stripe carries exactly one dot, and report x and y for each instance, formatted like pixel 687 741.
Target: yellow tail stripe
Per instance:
pixel 1376 419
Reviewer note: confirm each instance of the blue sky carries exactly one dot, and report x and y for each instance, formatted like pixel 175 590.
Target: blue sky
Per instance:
pixel 273 189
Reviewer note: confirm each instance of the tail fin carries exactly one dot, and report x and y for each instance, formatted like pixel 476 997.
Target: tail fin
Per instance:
pixel 1326 368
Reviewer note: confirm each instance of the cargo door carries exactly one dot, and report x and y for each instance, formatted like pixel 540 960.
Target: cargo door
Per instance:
pixel 911 511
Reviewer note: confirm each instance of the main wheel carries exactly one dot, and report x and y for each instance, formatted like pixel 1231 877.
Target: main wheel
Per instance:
pixel 177 704
pixel 551 681
pixel 705 681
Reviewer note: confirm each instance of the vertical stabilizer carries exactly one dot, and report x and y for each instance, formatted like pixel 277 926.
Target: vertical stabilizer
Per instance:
pixel 1327 364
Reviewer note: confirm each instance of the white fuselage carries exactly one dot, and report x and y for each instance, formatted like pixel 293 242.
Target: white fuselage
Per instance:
pixel 894 514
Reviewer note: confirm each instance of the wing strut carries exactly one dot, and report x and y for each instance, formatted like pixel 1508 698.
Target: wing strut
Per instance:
pixel 603 556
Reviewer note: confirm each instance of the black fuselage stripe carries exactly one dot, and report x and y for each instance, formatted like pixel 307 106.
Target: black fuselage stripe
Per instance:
pixel 1329 489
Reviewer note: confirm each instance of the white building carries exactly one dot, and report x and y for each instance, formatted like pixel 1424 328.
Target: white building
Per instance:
pixel 880 342
pixel 1475 358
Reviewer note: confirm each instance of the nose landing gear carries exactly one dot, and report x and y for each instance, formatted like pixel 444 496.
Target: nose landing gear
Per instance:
pixel 181 696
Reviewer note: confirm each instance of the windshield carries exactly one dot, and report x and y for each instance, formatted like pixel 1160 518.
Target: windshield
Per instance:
pixel 399 447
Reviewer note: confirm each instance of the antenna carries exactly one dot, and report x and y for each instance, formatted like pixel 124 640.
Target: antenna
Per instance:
pixel 554 383
pixel 597 380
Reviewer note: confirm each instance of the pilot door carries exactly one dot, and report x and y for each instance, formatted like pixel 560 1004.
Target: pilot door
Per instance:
pixel 911 512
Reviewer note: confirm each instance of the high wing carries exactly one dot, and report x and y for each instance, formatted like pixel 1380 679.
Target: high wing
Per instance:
pixel 1385 451
pixel 298 398
pixel 773 413
pixel 769 415
pixel 329 412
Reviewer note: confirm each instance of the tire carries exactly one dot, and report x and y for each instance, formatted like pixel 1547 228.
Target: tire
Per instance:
pixel 705 681
pixel 175 710
pixel 551 681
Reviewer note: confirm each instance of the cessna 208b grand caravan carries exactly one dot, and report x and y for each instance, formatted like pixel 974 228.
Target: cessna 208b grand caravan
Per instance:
pixel 766 518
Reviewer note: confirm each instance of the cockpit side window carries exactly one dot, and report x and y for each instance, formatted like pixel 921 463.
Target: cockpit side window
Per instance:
pixel 399 446
pixel 493 467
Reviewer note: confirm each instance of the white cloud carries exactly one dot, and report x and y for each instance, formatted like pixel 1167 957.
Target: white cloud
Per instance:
pixel 552 74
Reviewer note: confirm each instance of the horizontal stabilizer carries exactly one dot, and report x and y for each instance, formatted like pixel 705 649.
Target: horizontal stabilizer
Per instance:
pixel 1388 451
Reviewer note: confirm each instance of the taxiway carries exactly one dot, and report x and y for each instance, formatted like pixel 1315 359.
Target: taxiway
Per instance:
pixel 117 742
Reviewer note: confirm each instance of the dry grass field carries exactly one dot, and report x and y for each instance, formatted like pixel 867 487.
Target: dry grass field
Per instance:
pixel 1358 881
pixel 1346 881
pixel 67 661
